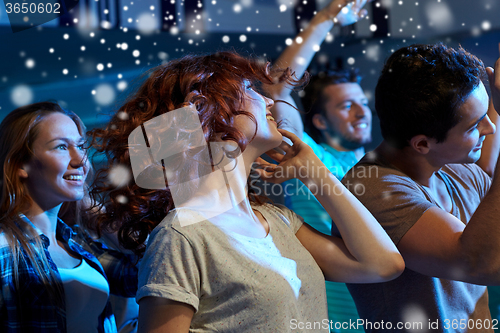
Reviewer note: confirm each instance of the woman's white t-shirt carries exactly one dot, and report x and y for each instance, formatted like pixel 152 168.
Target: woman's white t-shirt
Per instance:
pixel 237 283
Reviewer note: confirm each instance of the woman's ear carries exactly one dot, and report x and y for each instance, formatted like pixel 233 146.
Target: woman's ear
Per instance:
pixel 22 173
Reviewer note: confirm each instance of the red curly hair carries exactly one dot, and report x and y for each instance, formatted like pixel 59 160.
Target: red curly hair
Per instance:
pixel 215 85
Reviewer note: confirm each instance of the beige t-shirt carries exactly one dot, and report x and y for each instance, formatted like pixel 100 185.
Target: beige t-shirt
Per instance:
pixel 414 300
pixel 234 282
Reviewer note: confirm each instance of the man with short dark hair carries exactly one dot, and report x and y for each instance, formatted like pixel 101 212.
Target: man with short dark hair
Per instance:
pixel 438 206
pixel 337 111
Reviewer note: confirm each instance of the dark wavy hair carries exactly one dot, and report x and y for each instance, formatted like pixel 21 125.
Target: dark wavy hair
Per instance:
pixel 214 84
pixel 314 100
pixel 421 89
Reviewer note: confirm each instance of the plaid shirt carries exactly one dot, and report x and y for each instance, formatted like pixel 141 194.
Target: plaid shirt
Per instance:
pixel 30 308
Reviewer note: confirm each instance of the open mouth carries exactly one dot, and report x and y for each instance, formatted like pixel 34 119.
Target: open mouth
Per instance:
pixel 74 177
pixel 360 126
pixel 479 145
pixel 270 117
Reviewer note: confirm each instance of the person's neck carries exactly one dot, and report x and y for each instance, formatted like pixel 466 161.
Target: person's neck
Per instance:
pixel 359 152
pixel 44 220
pixel 410 162
pixel 222 191
pixel 242 219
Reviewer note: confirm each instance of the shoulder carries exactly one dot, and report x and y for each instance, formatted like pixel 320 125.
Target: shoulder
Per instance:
pixel 184 221
pixel 377 176
pixel 316 147
pixel 309 141
pixel 469 170
pixel 469 176
pixel 182 226
pixel 5 240
pixel 6 256
pixel 283 215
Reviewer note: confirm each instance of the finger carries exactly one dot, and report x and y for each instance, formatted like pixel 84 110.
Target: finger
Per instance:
pixel 494 80
pixel 263 164
pixel 340 4
pixel 275 155
pixel 264 175
pixel 362 13
pixel 295 139
pixel 494 75
pixel 497 69
pixel 285 146
pixel 491 73
pixel 344 3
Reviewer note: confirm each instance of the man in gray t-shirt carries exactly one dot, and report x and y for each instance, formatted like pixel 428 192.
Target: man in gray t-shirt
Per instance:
pixel 422 186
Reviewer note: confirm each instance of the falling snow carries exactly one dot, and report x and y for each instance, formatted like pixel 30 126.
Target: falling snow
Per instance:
pixel 21 95
pixel 146 24
pixel 119 175
pixel 415 314
pixel 30 63
pixel 121 199
pixel 439 15
pixel 100 51
pixel 104 94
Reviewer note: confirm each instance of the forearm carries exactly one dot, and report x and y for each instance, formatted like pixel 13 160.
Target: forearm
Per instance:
pixel 480 240
pixel 298 56
pixel 361 233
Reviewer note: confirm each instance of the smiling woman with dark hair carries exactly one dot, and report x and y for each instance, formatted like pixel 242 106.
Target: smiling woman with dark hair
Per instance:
pixel 217 258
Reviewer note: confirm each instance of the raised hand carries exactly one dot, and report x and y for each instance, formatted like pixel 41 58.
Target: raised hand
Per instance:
pixel 298 161
pixel 494 79
pixel 345 12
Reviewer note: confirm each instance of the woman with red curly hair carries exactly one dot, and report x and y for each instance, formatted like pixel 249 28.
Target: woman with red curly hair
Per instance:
pixel 217 257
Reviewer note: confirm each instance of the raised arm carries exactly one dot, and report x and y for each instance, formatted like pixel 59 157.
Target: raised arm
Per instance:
pixel 365 253
pixel 440 245
pixel 491 145
pixel 299 54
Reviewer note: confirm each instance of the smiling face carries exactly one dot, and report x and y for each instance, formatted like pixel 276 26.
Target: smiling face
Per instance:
pixel 267 135
pixel 464 141
pixel 58 168
pixel 347 119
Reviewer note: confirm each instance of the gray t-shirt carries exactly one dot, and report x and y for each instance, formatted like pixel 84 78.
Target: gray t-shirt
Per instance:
pixel 397 202
pixel 234 282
